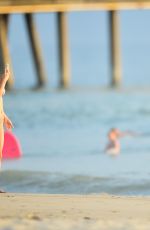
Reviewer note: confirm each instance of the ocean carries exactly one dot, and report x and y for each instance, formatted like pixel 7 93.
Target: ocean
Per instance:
pixel 63 133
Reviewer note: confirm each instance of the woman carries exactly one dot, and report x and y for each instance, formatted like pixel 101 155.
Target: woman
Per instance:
pixel 4 120
pixel 113 147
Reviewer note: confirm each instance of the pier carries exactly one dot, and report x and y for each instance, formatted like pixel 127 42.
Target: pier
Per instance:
pixel 29 7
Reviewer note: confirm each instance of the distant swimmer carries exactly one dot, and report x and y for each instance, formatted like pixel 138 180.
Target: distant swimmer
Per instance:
pixel 113 147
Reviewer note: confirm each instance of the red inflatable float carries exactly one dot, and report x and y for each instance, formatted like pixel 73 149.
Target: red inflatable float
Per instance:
pixel 11 148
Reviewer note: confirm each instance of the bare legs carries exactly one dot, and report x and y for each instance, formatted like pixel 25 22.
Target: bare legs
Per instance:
pixel 1 140
pixel 1 144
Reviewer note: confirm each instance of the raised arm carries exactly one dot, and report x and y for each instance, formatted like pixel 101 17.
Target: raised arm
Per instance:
pixel 116 133
pixel 127 133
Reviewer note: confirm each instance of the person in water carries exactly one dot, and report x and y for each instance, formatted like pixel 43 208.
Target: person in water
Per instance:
pixel 113 147
pixel 4 120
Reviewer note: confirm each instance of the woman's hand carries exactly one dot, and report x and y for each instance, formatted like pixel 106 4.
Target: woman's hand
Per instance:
pixel 7 72
pixel 5 76
pixel 3 80
pixel 7 122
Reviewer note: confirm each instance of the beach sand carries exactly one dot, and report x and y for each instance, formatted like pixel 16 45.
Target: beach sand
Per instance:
pixel 65 212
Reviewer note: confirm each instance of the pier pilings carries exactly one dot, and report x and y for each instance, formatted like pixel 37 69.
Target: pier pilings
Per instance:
pixel 61 8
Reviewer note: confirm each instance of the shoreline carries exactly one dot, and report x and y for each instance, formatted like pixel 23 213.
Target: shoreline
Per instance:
pixel 65 212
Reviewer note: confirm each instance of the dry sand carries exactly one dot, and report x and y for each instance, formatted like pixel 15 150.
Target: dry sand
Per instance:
pixel 73 212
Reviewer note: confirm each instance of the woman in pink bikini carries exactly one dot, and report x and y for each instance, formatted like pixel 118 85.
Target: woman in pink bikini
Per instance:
pixel 4 120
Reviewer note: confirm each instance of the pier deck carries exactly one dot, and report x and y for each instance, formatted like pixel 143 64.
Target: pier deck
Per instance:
pixel 32 6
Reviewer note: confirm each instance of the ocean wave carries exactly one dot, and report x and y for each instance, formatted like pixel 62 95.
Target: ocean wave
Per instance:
pixel 58 183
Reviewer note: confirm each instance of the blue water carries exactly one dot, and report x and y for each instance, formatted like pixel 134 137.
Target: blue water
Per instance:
pixel 63 133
